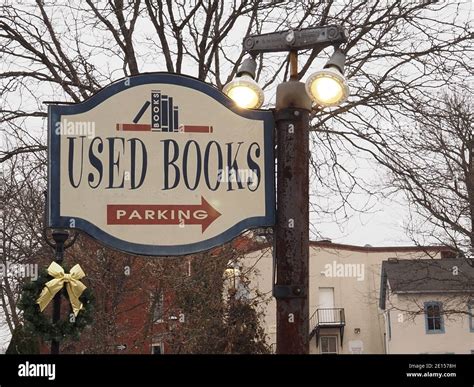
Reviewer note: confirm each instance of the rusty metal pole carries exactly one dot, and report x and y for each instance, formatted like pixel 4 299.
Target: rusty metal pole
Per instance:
pixel 291 233
pixel 292 225
pixel 60 238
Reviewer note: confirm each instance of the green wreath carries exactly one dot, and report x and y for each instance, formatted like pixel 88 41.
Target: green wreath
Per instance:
pixel 40 323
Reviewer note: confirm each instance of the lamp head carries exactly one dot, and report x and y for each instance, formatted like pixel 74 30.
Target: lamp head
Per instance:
pixel 328 87
pixel 243 90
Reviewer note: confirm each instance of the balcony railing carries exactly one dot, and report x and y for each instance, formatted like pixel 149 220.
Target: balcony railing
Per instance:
pixel 331 317
pixel 327 318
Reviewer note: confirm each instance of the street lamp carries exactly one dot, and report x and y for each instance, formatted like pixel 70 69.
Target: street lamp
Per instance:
pixel 243 90
pixel 328 87
pixel 232 274
pixel 294 102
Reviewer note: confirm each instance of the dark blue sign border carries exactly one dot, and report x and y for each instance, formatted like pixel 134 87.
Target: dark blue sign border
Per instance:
pixel 56 221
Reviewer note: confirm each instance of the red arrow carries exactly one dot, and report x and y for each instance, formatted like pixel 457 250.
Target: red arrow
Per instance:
pixel 167 214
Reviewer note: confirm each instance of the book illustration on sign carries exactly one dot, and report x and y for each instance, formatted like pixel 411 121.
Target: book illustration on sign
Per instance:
pixel 164 117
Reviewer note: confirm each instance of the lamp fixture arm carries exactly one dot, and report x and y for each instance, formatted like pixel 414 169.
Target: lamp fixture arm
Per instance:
pixel 294 40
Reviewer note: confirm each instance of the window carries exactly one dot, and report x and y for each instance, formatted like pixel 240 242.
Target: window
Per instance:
pixel 328 344
pixel 433 317
pixel 157 349
pixel 470 308
pixel 158 308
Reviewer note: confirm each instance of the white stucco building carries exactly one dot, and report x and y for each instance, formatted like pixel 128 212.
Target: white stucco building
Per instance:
pixel 428 306
pixel 344 293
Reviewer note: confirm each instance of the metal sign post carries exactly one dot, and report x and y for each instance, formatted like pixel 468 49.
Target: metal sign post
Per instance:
pixel 291 243
pixel 62 241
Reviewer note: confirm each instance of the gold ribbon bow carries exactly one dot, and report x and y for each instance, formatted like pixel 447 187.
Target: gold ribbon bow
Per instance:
pixel 74 287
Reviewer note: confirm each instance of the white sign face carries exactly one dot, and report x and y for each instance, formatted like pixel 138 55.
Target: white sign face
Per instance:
pixel 160 164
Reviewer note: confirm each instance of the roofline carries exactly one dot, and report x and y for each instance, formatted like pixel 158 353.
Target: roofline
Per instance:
pixel 379 249
pixel 432 291
pixel 364 249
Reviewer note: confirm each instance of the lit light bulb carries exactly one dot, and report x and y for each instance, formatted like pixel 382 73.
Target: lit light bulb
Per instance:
pixel 245 92
pixel 244 96
pixel 327 87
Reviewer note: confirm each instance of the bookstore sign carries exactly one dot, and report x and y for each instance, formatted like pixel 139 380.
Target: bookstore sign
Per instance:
pixel 160 164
